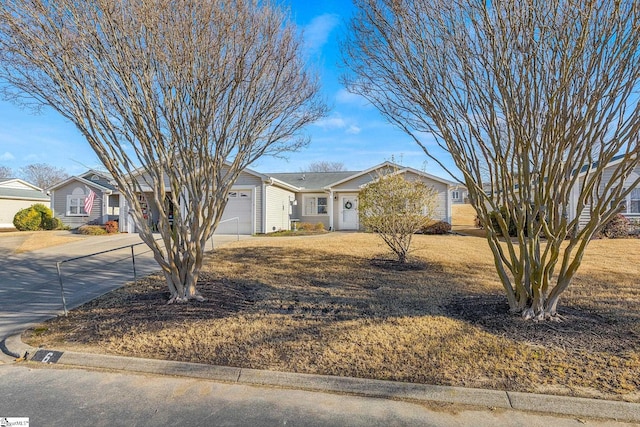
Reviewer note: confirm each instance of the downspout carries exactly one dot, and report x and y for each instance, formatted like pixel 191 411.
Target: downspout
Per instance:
pixel 263 219
pixel 331 213
pixel 449 202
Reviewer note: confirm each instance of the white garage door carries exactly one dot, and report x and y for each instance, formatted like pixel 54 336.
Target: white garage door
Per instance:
pixel 240 205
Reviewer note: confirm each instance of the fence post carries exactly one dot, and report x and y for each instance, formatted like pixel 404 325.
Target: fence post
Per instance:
pixel 64 302
pixel 133 260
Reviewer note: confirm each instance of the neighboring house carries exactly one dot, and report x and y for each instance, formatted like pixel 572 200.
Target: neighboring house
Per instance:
pixel 332 197
pixel 459 194
pixel 630 208
pixel 68 199
pixel 257 203
pixel 16 194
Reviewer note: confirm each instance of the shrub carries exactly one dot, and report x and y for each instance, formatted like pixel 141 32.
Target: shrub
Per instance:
pixel 27 219
pixel 616 228
pixel 92 230
pixel 35 217
pixel 305 226
pixel 438 227
pixel 111 227
pixel 54 224
pixel 45 214
pixel 319 226
pixel 513 230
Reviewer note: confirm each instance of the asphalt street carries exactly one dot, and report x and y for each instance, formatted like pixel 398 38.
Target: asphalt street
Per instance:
pixel 75 397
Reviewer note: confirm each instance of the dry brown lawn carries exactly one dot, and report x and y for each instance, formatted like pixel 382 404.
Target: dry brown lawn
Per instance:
pixel 320 305
pixel 44 239
pixel 27 241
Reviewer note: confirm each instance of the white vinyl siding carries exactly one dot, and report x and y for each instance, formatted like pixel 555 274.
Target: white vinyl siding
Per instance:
pixel 279 209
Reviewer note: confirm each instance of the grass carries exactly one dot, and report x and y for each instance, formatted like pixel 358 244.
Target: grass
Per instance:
pixel 321 305
pixel 34 240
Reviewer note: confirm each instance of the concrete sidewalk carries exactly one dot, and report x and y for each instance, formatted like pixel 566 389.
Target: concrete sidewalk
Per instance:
pixel 421 393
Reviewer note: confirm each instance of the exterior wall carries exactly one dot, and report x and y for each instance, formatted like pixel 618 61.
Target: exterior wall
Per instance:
pixel 245 181
pixel 585 214
pixel 279 209
pixel 59 205
pixel 358 181
pixel 9 208
pixel 443 197
pixel 463 196
pixel 300 213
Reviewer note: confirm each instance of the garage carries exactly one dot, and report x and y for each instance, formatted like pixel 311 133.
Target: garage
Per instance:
pixel 240 206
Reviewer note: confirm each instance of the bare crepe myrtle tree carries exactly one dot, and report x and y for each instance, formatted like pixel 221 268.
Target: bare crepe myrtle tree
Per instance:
pixel 395 208
pixel 175 97
pixel 532 100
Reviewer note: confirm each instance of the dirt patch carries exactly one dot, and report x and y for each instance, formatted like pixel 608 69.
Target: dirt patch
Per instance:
pixel 395 265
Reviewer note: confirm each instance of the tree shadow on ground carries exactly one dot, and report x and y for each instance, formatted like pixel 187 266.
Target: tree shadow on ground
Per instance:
pixel 580 328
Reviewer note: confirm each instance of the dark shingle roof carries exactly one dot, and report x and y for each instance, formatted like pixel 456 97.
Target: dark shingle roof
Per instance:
pixel 311 180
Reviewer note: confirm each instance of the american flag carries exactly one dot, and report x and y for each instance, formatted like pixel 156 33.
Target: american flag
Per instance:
pixel 88 202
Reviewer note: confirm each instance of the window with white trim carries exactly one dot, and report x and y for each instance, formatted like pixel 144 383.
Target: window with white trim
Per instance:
pixel 455 195
pixel 75 203
pixel 316 205
pixel 634 201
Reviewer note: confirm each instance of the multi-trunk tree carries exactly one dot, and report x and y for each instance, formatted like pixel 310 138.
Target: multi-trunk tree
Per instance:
pixel 176 97
pixel 532 99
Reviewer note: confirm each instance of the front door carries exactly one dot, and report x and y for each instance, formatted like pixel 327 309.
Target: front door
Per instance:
pixel 348 215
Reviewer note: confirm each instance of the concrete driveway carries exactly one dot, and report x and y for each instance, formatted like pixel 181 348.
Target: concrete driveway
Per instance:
pixel 29 286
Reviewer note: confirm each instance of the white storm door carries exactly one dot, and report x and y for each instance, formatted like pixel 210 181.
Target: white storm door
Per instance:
pixel 348 215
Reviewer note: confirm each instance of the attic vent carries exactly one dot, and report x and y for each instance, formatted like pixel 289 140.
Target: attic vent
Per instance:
pixel 95 178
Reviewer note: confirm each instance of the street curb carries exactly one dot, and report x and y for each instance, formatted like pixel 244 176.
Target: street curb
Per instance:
pixel 549 404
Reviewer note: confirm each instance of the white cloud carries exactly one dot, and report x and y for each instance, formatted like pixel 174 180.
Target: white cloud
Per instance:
pixel 331 123
pixel 317 32
pixel 337 122
pixel 353 130
pixel 7 156
pixel 345 97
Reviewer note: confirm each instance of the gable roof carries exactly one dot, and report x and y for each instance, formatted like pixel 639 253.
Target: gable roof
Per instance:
pixel 104 188
pixel 14 188
pixel 398 169
pixel 327 180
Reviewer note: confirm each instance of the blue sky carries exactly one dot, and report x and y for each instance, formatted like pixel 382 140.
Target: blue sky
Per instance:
pixel 353 133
